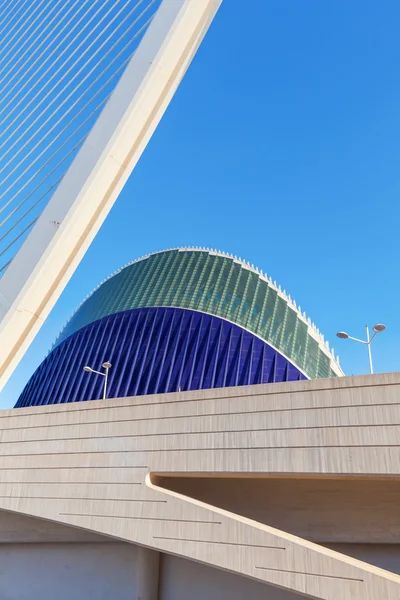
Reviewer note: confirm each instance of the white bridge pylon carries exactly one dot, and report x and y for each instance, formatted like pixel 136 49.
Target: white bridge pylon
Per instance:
pixel 53 249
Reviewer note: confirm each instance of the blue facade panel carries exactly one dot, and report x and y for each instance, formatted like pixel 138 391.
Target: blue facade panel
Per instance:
pixel 152 351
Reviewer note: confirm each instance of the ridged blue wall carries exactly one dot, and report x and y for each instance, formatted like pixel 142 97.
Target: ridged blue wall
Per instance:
pixel 155 350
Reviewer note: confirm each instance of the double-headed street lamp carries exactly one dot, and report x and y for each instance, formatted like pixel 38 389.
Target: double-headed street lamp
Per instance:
pixel 106 366
pixel 377 329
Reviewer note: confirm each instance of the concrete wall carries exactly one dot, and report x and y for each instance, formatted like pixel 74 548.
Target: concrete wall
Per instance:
pixel 67 571
pixel 185 580
pixel 20 529
pixel 101 571
pixel 322 510
pixel 104 571
pixel 384 556
pixel 95 466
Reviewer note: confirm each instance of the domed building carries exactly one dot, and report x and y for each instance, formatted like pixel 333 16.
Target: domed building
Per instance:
pixel 181 319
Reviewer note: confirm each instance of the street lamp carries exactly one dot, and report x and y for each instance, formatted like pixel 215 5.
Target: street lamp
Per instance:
pixel 377 329
pixel 106 365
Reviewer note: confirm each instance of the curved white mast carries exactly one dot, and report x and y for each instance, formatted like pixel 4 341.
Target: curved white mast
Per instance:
pixel 52 251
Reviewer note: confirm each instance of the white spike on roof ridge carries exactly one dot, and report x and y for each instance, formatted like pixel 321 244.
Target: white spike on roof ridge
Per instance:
pixel 247 265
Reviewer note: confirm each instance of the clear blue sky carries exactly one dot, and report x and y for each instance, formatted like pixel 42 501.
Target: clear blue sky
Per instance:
pixel 281 146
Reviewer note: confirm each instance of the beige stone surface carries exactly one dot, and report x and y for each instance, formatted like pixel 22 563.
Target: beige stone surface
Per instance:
pixel 96 466
pixel 322 510
pixel 19 529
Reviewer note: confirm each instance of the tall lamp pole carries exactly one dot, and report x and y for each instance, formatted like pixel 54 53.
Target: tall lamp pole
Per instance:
pixel 106 366
pixel 377 329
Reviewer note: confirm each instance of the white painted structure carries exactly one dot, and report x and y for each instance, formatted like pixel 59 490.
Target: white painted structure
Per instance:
pixel 44 264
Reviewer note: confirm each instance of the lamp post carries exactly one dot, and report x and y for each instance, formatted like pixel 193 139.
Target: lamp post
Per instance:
pixel 106 366
pixel 377 329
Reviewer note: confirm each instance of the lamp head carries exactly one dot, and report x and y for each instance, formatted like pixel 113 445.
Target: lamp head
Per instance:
pixel 87 369
pixel 379 327
pixel 342 335
pixel 106 365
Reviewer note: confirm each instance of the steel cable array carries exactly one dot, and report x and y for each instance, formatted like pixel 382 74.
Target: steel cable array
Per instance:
pixel 59 64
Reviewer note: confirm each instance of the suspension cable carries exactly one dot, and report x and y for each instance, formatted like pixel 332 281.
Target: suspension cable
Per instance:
pixel 72 120
pixel 10 65
pixel 39 61
pixel 70 108
pixel 60 61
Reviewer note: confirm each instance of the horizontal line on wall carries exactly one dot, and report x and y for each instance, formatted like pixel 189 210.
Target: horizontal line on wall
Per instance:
pixel 66 468
pixel 197 416
pixel 196 400
pixel 204 432
pixel 159 537
pixel 310 574
pixel 64 514
pixel 70 498
pixel 23 482
pixel 219 449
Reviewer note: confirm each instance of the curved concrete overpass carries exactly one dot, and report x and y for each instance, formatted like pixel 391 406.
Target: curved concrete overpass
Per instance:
pixel 282 484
